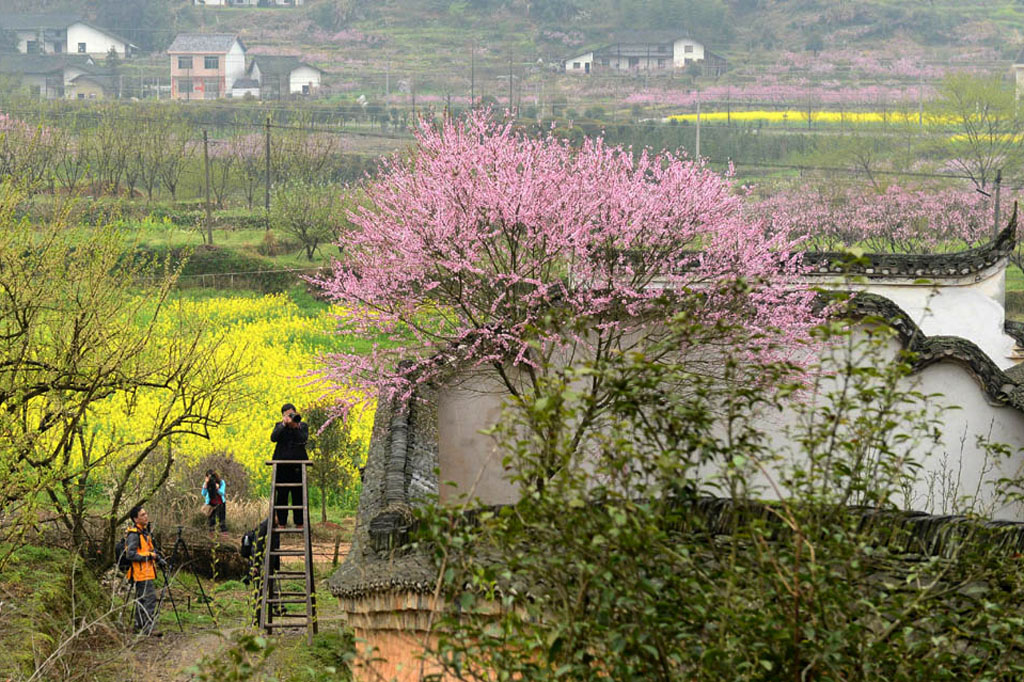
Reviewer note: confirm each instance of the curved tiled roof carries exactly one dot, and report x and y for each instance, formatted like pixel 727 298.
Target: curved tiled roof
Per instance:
pixel 916 266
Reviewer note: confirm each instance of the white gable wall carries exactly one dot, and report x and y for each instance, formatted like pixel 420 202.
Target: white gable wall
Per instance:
pixel 971 308
pixel 96 42
pixel 680 57
pixel 234 65
pixel 304 75
pixel 580 64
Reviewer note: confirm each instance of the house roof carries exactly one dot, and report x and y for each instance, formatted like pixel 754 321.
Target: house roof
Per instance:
pixel 204 42
pixel 245 84
pixel 917 266
pixel 107 82
pixel 43 63
pixel 645 37
pixel 106 31
pixel 28 22
pixel 279 65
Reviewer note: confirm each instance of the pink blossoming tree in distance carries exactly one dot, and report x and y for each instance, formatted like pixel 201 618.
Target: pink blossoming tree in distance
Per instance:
pixel 487 250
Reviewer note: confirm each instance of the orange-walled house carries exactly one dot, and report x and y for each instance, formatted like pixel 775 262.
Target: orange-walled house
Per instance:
pixel 205 65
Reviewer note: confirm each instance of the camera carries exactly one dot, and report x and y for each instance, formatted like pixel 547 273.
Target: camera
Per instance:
pixel 296 417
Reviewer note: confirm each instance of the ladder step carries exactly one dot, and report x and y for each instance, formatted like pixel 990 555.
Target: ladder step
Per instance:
pixel 289 506
pixel 293 626
pixel 286 601
pixel 292 594
pixel 289 530
pixel 280 573
pixel 287 485
pixel 292 615
pixel 288 552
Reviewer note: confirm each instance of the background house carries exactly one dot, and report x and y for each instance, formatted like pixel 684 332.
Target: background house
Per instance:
pixel 280 76
pixel 46 76
pixel 647 51
pixel 61 33
pixel 205 65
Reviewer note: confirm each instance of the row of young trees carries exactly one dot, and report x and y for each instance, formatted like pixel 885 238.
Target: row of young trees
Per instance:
pixel 151 152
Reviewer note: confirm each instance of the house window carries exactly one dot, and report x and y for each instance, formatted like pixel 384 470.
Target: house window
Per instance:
pixel 661 63
pixel 81 95
pixel 184 86
pixel 688 48
pixel 605 61
pixel 32 47
pixel 634 62
pixel 184 62
pixel 211 62
pixel 305 89
pixel 575 65
pixel 58 48
pixel 81 48
pixel 211 86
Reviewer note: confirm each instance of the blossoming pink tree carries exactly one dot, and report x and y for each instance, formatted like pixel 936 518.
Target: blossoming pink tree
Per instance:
pixel 896 220
pixel 491 251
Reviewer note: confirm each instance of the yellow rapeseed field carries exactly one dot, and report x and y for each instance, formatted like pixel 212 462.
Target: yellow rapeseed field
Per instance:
pixel 280 340
pixel 800 116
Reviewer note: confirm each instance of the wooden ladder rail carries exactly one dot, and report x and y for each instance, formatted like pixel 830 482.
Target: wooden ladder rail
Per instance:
pixel 266 612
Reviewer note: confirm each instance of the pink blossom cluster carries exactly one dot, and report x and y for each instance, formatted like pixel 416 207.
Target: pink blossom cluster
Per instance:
pixel 896 219
pixel 489 249
pixel 568 38
pixel 351 35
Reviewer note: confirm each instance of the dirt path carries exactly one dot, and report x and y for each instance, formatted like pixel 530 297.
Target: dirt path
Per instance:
pixel 166 659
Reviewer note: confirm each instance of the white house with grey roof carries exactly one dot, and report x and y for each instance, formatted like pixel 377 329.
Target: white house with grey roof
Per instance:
pixel 205 65
pixel 61 33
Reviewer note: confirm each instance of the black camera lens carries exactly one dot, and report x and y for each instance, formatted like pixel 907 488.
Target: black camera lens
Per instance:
pixel 296 417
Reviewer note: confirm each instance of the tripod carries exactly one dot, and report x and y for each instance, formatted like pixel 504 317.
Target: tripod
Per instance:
pixel 180 544
pixel 167 591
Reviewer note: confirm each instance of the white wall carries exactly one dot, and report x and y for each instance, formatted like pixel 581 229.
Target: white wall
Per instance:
pixel 304 75
pixel 96 42
pixel 578 64
pixel 680 55
pixel 971 308
pixel 234 65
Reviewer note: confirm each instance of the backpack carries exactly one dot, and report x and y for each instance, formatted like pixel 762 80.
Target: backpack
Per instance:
pixel 120 556
pixel 248 541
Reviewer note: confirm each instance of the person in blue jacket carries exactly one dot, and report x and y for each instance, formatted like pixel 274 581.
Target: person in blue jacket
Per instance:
pixel 213 495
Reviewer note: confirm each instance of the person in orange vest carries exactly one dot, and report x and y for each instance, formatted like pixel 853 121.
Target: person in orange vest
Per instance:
pixel 140 551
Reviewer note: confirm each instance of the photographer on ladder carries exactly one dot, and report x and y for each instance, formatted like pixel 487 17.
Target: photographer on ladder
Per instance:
pixel 141 553
pixel 289 436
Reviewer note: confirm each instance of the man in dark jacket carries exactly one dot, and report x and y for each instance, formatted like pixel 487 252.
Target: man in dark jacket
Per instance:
pixel 140 551
pixel 290 436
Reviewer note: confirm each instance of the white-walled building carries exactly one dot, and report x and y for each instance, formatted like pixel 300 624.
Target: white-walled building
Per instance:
pixel 46 76
pixel 646 51
pixel 60 34
pixel 280 76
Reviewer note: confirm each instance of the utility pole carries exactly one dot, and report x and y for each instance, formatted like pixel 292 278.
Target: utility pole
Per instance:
pixel 920 100
pixel 206 166
pixel 266 192
pixel 999 181
pixel 697 145
pixel 510 110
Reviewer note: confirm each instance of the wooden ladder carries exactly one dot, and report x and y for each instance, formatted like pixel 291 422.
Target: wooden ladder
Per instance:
pixel 274 603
